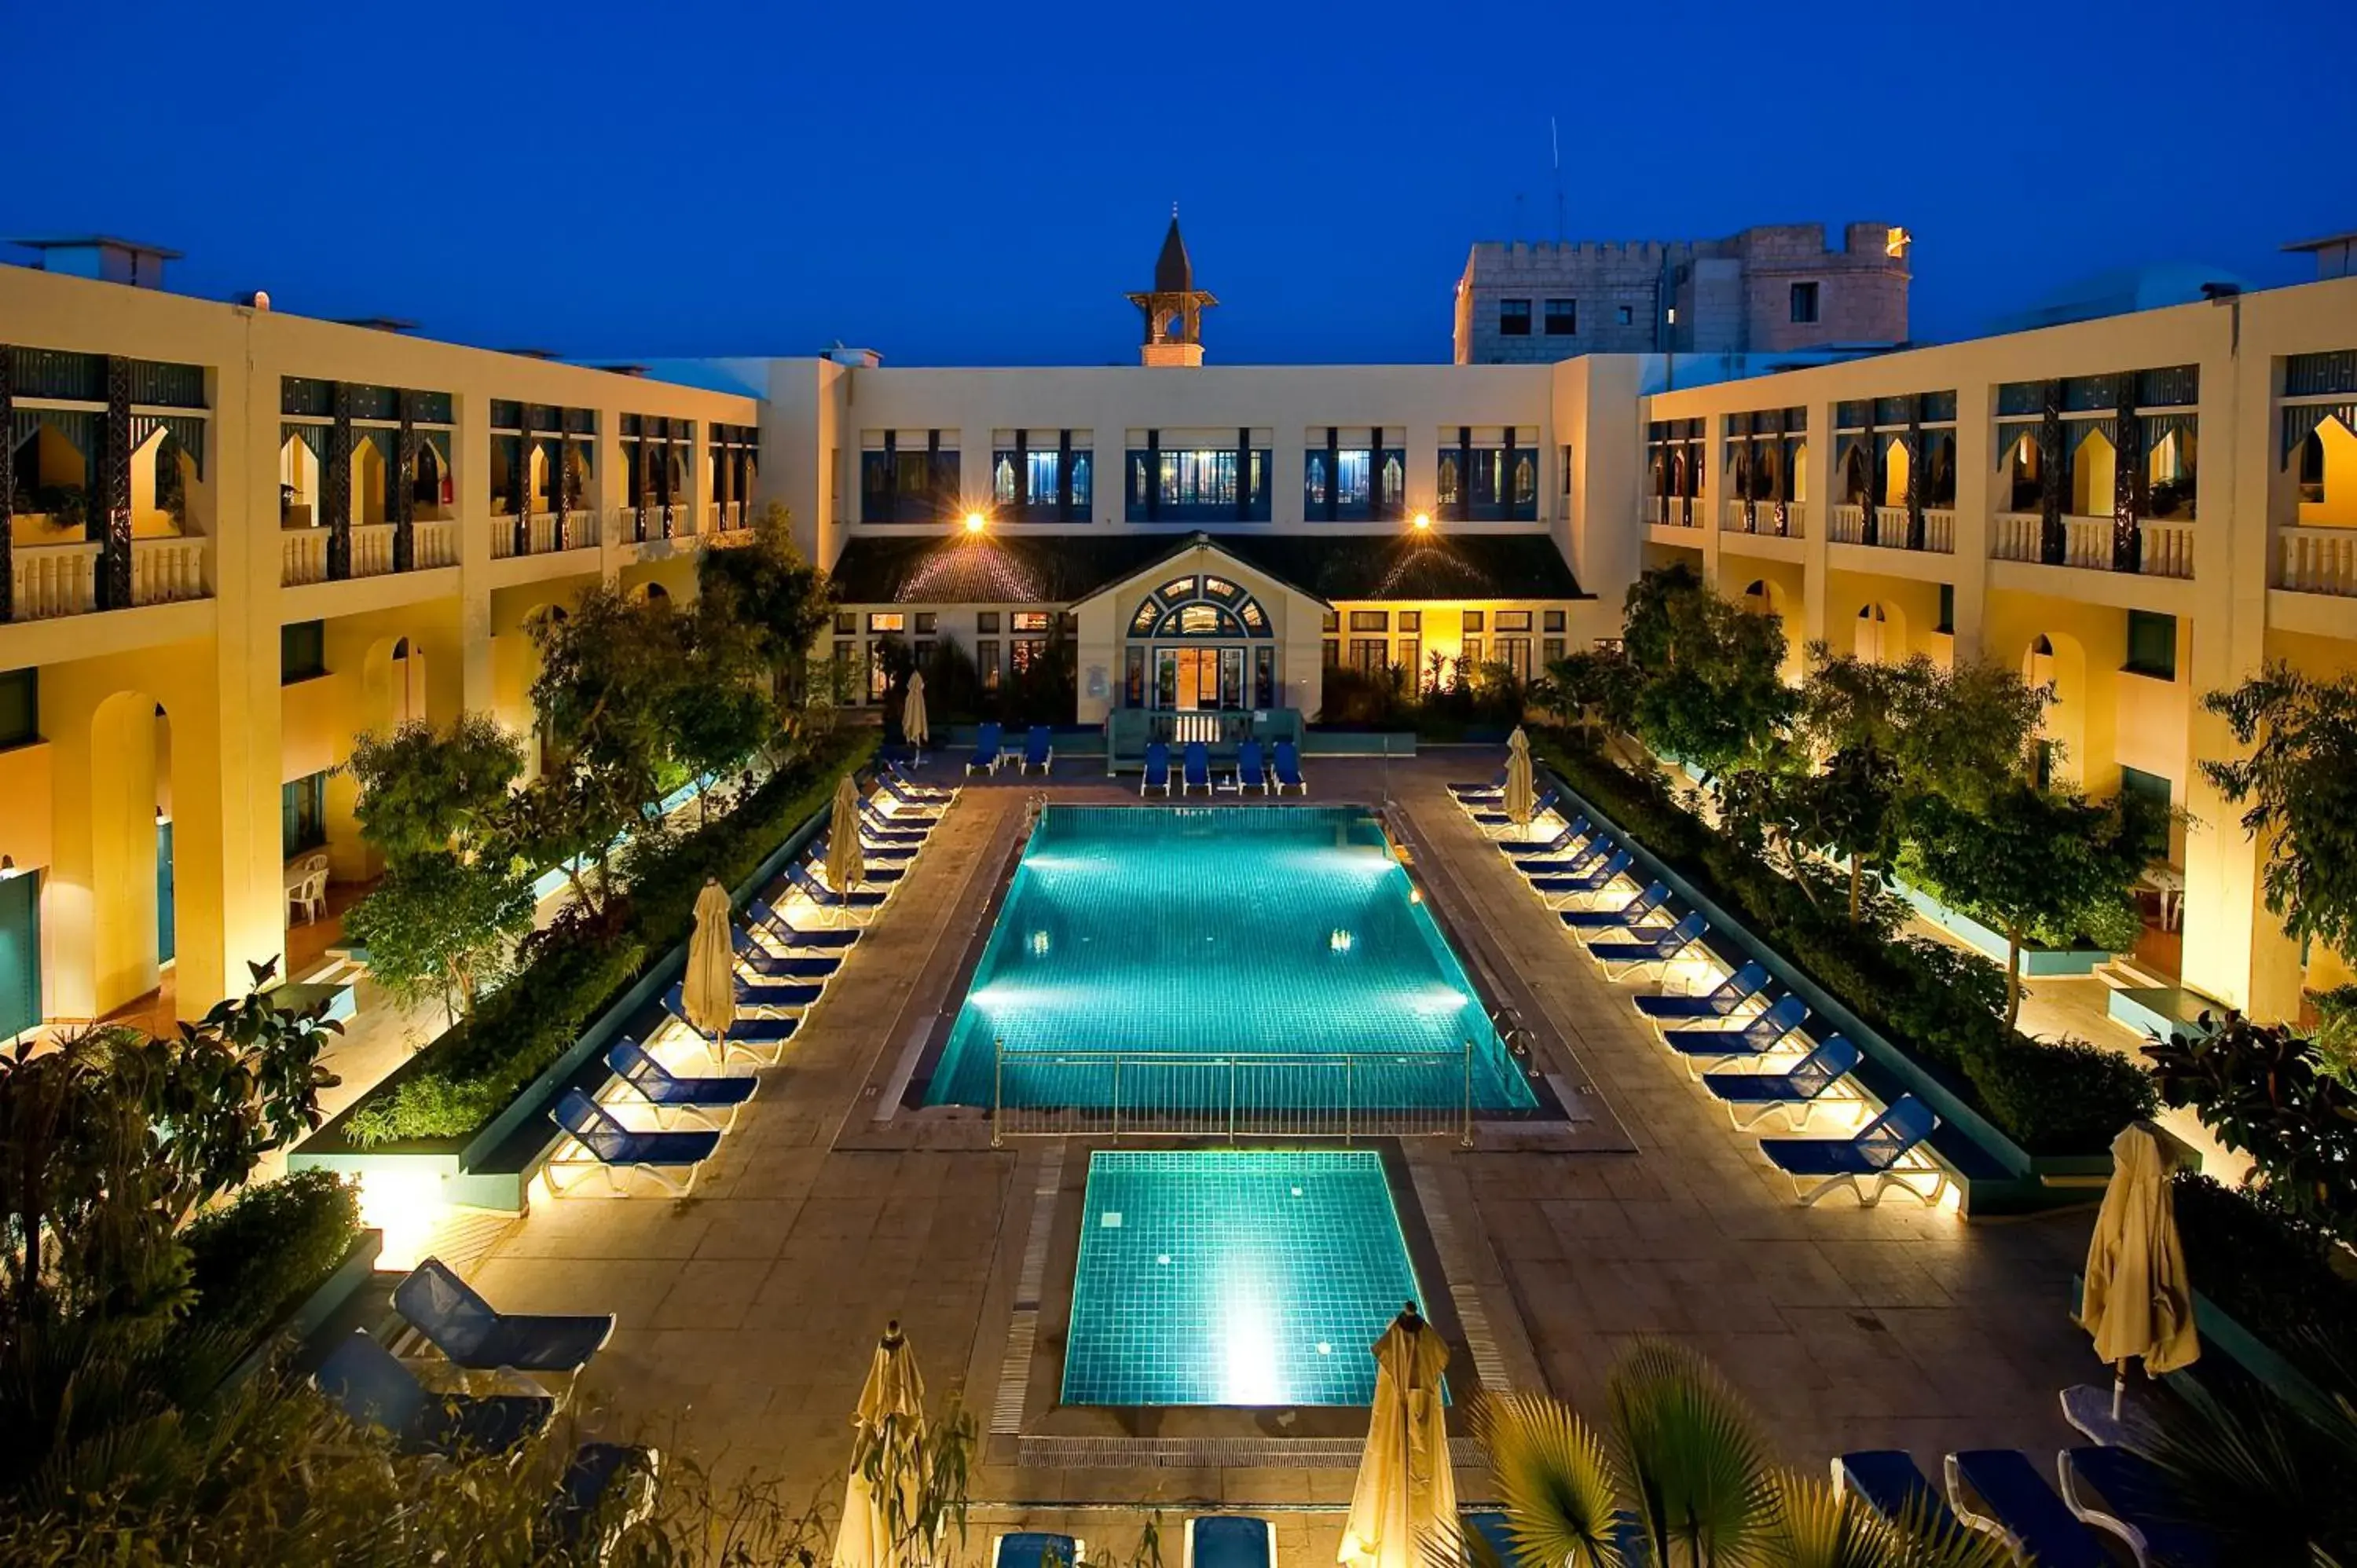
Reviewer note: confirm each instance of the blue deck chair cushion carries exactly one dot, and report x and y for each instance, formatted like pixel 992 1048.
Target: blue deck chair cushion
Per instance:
pixel 598 1472
pixel 1037 1549
pixel 1562 845
pixel 1539 807
pixel 2128 1495
pixel 2005 1487
pixel 778 929
pixel 1039 746
pixel 658 1085
pixel 1808 1078
pixel 1889 1484
pixel 819 893
pixel 986 750
pixel 1646 905
pixel 616 1144
pixel 1158 768
pixel 1197 763
pixel 362 1378
pixel 477 1336
pixel 1288 768
pixel 1589 880
pixel 1716 1003
pixel 1875 1148
pixel 1668 945
pixel 743 1032
pixel 817 863
pixel 1757 1038
pixel 1229 1540
pixel 1497 783
pixel 908 795
pixel 771 966
pixel 1252 773
pixel 880 824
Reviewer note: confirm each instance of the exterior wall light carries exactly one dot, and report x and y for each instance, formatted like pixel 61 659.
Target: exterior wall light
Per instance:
pixel 974 522
pixel 1423 522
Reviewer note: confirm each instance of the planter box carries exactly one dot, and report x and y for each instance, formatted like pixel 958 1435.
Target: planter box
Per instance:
pixel 1993 1174
pixel 2223 1336
pixel 311 1314
pixel 2035 960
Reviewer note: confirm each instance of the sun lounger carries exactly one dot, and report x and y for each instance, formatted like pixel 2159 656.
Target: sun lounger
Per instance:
pixel 1752 1097
pixel 1649 907
pixel 1999 1491
pixel 1252 766
pixel 666 1092
pixel 757 1039
pixel 1624 956
pixel 826 898
pixel 1594 878
pixel 479 1337
pixel 2126 1495
pixel 1287 768
pixel 1573 836
pixel 1038 1549
pixel 1195 767
pixel 986 757
pixel 904 783
pixel 1038 751
pixel 760 916
pixel 1577 862
pixel 660 1156
pixel 816 864
pixel 1887 1480
pixel 912 828
pixel 607 1486
pixel 1498 819
pixel 1718 1001
pixel 1497 1533
pixel 361 1378
pixel 1866 1163
pixel 874 849
pixel 909 798
pixel 1765 1031
pixel 753 955
pixel 1230 1541
pixel 1158 769
pixel 1496 786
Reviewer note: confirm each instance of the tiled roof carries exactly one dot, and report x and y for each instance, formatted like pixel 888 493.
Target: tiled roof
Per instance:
pixel 1063 568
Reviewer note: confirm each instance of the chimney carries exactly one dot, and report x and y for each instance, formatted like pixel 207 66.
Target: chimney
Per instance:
pixel 857 358
pixel 103 257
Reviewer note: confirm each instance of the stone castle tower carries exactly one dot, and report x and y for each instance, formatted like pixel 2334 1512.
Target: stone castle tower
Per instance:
pixel 1174 306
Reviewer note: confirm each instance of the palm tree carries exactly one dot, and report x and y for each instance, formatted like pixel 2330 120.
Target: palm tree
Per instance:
pixel 1680 1477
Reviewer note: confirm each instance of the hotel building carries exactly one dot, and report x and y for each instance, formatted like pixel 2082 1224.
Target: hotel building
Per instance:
pixel 241 539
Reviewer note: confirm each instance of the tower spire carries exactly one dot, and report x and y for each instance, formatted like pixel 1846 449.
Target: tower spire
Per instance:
pixel 1173 307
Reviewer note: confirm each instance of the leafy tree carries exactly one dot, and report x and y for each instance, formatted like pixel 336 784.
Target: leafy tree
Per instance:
pixel 1967 731
pixel 1711 693
pixel 769 586
pixel 1596 686
pixel 2264 1091
pixel 428 791
pixel 2300 780
pixel 2031 856
pixel 1854 713
pixel 437 927
pixel 717 714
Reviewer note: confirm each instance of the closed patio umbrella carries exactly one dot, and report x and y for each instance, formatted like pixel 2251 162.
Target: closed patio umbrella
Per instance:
pixel 1518 779
pixel 711 984
pixel 1406 1489
pixel 2137 1305
pixel 846 868
pixel 912 715
pixel 889 1436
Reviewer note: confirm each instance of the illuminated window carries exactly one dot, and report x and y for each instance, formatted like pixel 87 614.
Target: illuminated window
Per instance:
pixel 1512 621
pixel 886 621
pixel 1370 620
pixel 1411 620
pixel 1474 620
pixel 1198 620
pixel 1030 620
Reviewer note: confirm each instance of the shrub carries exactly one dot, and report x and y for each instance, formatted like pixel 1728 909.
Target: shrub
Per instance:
pixel 253 1259
pixel 2272 1272
pixel 577 967
pixel 2264 1091
pixel 2066 1096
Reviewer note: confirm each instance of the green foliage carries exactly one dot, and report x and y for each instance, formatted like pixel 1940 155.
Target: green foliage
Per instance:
pixel 767 586
pixel 2271 1271
pixel 426 790
pixel 2267 1480
pixel 256 1257
pixel 1596 686
pixel 1711 693
pixel 576 967
pixel 1966 732
pixel 2300 780
pixel 436 928
pixel 2263 1090
pixel 1485 696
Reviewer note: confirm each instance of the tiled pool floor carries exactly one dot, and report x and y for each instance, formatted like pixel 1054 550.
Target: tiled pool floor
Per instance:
pixel 1233 1277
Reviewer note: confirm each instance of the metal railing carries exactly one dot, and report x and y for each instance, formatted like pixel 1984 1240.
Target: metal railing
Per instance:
pixel 1047 1093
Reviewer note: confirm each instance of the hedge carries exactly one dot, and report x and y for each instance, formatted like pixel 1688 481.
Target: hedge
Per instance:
pixel 1938 1004
pixel 2273 1274
pixel 253 1260
pixel 580 964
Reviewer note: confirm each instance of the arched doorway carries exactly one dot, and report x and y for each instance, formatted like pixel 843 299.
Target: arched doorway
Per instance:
pixel 1880 637
pixel 1200 641
pixel 134 914
pixel 2058 664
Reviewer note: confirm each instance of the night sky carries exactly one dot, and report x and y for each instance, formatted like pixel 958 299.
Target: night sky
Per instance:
pixel 980 184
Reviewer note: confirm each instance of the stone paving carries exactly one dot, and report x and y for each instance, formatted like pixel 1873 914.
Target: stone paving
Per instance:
pixel 748 1312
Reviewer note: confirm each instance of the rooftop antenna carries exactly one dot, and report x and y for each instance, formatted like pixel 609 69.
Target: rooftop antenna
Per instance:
pixel 1554 145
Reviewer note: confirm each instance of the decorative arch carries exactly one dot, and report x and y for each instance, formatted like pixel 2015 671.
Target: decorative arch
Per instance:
pixel 1880 633
pixel 1199 605
pixel 2058 663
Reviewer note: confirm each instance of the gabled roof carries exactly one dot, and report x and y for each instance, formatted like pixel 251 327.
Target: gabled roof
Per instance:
pixel 1013 567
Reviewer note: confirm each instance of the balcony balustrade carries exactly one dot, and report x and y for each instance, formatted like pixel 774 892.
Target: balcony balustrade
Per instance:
pixel 62 579
pixel 1848 527
pixel 2166 548
pixel 1731 518
pixel 2315 561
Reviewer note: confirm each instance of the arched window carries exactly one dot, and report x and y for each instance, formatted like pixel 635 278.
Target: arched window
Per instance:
pixel 1205 606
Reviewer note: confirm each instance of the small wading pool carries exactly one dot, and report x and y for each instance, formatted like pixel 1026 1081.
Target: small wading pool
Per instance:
pixel 1234 1277
pixel 1198 937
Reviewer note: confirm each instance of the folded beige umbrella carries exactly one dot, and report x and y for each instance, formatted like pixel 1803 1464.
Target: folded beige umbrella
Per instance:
pixel 888 1436
pixel 913 713
pixel 1406 1489
pixel 2137 1305
pixel 846 868
pixel 710 988
pixel 1519 803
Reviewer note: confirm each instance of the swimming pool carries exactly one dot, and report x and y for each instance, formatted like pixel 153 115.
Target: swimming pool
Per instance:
pixel 1233 1277
pixel 1287 937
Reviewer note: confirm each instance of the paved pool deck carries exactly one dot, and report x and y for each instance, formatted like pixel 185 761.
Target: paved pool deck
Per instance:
pixel 748 1312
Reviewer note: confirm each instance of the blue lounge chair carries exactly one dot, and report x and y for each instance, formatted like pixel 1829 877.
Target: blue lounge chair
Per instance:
pixel 1230 1541
pixel 479 1337
pixel 816 865
pixel 907 786
pixel 2125 1494
pixel 361 1378
pixel 1590 878
pixel 986 757
pixel 755 1039
pixel 1866 1163
pixel 776 992
pixel 1566 842
pixel 1623 957
pixel 1649 907
pixel 1752 1097
pixel 1037 1549
pixel 1498 819
pixel 1627 1541
pixel 1999 1491
pixel 660 1156
pixel 826 898
pixel 876 824
pixel 777 928
pixel 753 955
pixel 1577 863
pixel 1496 786
pixel 667 1091
pixel 1252 773
pixel 1718 1001
pixel 609 1485
pixel 1763 1034
pixel 1195 767
pixel 1287 768
pixel 1038 751
pixel 1887 1481
pixel 1158 769
pixel 909 799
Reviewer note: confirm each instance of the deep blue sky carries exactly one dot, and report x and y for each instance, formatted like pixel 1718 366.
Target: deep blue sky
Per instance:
pixel 978 184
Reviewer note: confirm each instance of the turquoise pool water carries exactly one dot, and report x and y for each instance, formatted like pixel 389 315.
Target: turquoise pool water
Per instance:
pixel 1221 932
pixel 1234 1277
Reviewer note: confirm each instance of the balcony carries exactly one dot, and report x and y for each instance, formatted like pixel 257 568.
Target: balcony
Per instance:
pixel 2167 547
pixel 1796 515
pixel 54 580
pixel 2308 560
pixel 544 533
pixel 303 552
pixel 1848 527
pixel 1671 511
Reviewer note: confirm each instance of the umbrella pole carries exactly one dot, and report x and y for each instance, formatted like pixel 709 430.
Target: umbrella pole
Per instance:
pixel 2119 1387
